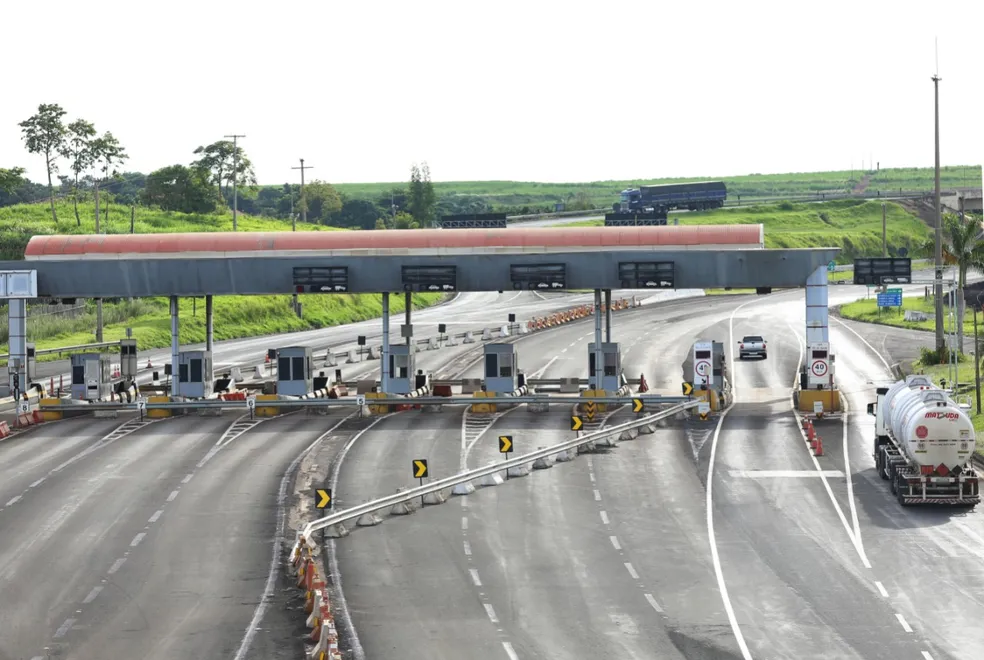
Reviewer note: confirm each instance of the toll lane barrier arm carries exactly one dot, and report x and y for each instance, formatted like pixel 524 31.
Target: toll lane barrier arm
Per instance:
pixel 67 349
pixel 355 512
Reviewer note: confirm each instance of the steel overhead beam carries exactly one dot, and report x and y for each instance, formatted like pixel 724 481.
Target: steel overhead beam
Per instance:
pixel 355 512
pixel 651 400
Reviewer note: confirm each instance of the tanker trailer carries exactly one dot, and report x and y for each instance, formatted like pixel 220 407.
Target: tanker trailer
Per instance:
pixel 923 444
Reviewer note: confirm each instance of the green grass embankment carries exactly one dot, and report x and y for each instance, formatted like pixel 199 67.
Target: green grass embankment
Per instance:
pixel 868 312
pixel 235 316
pixel 965 390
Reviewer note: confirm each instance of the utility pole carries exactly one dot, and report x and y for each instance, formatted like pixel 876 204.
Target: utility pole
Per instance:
pixel 235 175
pixel 884 230
pixel 940 344
pixel 303 198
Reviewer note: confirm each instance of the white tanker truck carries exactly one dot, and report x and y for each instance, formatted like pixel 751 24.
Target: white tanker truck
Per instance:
pixel 923 444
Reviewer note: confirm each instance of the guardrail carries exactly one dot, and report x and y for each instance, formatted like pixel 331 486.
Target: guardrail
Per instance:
pixel 67 349
pixel 353 513
pixel 205 404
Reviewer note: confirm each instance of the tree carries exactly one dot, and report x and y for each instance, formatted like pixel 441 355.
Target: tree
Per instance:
pixel 963 247
pixel 11 179
pixel 220 159
pixel 359 213
pixel 44 133
pixel 180 188
pixel 405 221
pixel 78 149
pixel 107 154
pixel 421 196
pixel 322 201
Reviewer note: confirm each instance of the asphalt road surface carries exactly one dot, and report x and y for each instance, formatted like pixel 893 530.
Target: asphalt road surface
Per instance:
pixel 612 553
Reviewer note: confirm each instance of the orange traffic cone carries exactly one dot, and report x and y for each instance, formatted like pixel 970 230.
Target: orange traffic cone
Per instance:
pixel 643 385
pixel 149 365
pixel 819 447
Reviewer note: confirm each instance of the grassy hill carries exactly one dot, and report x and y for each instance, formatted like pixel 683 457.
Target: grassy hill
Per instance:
pixel 853 225
pixel 605 193
pixel 235 316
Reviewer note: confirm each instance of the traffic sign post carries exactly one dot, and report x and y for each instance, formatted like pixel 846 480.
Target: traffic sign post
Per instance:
pixel 419 466
pixel 688 389
pixel 251 404
pixel 832 266
pixel 141 406
pixel 576 424
pixel 703 369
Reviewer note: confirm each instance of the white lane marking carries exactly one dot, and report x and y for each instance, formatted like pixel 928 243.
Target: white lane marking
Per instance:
pixel 467 549
pixel 510 651
pixel 604 518
pixel 254 624
pixel 157 516
pixel 864 341
pixel 631 570
pixel 491 613
pixel 137 539
pixel 926 655
pixel 903 622
pixel 464 522
pixel 591 476
pixel 881 589
pixel 597 495
pixel 187 478
pixel 37 483
pixel 614 540
pixel 783 474
pixel 170 498
pixel 816 464
pixel 474 576
pixel 38 657
pixel 709 499
pixel 652 601
pixel 14 500
pixel 539 372
pixel 846 415
pixel 64 628
pixel 117 565
pixel 92 595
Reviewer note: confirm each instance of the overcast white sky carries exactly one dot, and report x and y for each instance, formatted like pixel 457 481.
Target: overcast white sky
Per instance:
pixel 520 90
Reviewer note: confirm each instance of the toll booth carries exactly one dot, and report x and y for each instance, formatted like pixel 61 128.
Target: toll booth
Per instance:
pixel 501 368
pixel 611 377
pixel 402 379
pixel 819 366
pixel 91 376
pixel 194 374
pixel 128 359
pixel 706 365
pixel 294 375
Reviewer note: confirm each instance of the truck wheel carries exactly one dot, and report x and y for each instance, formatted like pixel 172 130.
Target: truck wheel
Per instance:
pixel 901 488
pixel 892 480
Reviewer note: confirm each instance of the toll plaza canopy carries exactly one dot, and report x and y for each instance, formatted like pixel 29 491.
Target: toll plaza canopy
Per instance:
pixel 448 260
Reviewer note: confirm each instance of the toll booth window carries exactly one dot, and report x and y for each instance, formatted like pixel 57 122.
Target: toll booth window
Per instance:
pixel 197 375
pixel 78 375
pixel 298 369
pixel 182 373
pixel 611 364
pixel 819 355
pixel 505 369
pixel 491 365
pixel 591 366
pixel 702 355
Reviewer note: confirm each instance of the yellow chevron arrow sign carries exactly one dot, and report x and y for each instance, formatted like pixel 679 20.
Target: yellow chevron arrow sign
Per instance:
pixel 505 444
pixel 420 468
pixel 637 405
pixel 576 423
pixel 324 498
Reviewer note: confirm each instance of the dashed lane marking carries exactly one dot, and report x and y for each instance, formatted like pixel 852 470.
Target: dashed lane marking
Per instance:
pixel 137 539
pixel 881 589
pixel 652 601
pixel 615 543
pixel 92 595
pixel 604 518
pixel 172 496
pixel 491 612
pixel 631 570
pixel 157 516
pixel 117 565
pixel 64 628
pixel 903 623
pixel 474 576
pixel 464 522
pixel 510 651
pixel 467 549
pixel 597 495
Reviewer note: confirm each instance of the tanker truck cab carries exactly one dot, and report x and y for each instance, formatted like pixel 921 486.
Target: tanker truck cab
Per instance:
pixel 923 444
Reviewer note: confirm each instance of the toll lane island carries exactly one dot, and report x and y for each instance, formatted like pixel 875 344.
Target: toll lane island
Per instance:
pixel 763 498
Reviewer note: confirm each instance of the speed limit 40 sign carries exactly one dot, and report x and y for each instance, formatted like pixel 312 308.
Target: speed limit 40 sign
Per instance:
pixel 819 368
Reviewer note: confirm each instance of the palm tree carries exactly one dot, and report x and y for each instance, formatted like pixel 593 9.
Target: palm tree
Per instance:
pixel 963 247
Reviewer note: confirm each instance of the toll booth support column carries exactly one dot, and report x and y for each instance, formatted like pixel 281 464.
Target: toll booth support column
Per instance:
pixel 208 323
pixel 407 307
pixel 599 356
pixel 17 363
pixel 385 367
pixel 816 308
pixel 175 347
pixel 608 315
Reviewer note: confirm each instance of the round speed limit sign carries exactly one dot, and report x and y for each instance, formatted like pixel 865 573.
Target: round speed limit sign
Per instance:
pixel 819 368
pixel 703 368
